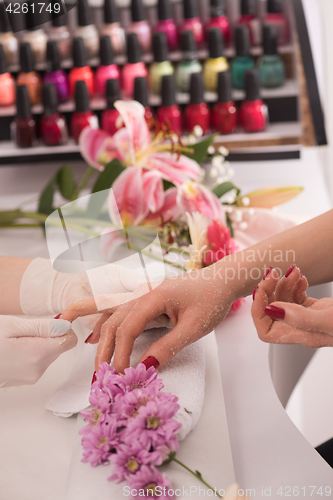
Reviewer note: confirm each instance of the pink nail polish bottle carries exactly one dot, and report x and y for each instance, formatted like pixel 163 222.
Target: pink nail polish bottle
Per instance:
pixel 111 121
pixel 218 19
pixel 140 25
pixel 250 19
pixel 107 70
pixel 169 112
pixel 192 21
pixel 134 67
pixel 276 16
pixel 166 23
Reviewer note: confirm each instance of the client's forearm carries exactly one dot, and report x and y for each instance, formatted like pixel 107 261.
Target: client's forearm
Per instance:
pixel 11 272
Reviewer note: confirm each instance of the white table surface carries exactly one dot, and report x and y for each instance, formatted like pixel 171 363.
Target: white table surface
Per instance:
pixel 268 450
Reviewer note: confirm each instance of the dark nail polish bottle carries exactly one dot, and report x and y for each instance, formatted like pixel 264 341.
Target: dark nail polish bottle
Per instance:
pixel 224 111
pixel 82 117
pixel 53 128
pixel 141 95
pixel 253 114
pixel 197 113
pixel 169 112
pixel 111 120
pixel 24 123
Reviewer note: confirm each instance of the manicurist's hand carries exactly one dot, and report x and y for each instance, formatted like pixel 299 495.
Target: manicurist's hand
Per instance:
pixel 284 314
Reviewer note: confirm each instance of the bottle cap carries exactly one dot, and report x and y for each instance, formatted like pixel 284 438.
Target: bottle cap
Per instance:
pixel 110 12
pixel 52 55
pixel 248 7
pixel 168 92
pixel 215 43
pixel 26 58
pixel 105 50
pixel 164 10
pixel 3 62
pixel 50 99
pixel 34 19
pixel 79 53
pixel 270 38
pixel 4 20
pixel 274 6
pixel 242 40
pixel 23 108
pixel 252 88
pixel 59 21
pixel 190 9
pixel 188 46
pixel 196 89
pixel 217 8
pixel 133 48
pixel 224 87
pixel 112 92
pixel 141 90
pixel 160 47
pixel 85 14
pixel 138 11
pixel 81 97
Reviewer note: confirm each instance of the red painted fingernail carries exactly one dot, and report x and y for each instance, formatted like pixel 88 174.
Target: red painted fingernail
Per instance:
pixel 267 272
pixel 57 316
pixel 88 338
pixel 151 361
pixel 254 292
pixel 290 270
pixel 275 312
pixel 94 378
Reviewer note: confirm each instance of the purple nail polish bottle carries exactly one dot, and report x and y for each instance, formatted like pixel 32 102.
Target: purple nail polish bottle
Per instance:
pixel 55 74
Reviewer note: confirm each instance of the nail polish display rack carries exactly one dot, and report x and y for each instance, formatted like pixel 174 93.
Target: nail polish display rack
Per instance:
pixel 283 103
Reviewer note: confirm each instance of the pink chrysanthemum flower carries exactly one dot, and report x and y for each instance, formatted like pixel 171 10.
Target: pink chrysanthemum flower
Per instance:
pixel 149 483
pixel 100 442
pixel 128 406
pixel 139 377
pixel 107 381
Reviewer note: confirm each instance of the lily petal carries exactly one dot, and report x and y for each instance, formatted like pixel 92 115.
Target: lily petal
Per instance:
pixel 153 190
pixel 270 197
pixel 194 197
pixel 97 147
pixel 175 168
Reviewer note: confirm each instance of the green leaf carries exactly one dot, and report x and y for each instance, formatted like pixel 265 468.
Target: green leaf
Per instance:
pixel 104 181
pixel 224 188
pixel 200 149
pixel 45 205
pixel 229 224
pixel 167 185
pixel 66 183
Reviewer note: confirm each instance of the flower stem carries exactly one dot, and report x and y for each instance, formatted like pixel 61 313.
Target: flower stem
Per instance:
pixel 197 475
pixel 83 182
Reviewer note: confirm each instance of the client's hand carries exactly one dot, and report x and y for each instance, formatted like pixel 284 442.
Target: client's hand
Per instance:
pixel 283 314
pixel 29 346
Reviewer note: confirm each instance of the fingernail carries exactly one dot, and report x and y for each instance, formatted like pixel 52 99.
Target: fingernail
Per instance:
pixel 275 312
pixel 254 292
pixel 94 378
pixel 88 338
pixel 151 361
pixel 267 272
pixel 290 270
pixel 57 316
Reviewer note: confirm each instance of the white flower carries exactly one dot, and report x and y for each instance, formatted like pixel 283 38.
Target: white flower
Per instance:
pixel 223 151
pixel 243 226
pixel 229 197
pixel 217 161
pixel 211 150
pixel 197 131
pixel 198 225
pixel 246 201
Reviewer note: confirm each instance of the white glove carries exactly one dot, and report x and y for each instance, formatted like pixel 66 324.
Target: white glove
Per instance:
pixel 29 346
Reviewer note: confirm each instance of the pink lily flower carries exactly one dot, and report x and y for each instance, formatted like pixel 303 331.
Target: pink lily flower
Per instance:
pixel 220 242
pixel 194 197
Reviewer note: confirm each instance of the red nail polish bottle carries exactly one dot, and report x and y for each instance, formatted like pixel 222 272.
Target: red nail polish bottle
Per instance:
pixel 141 95
pixel 24 124
pixel 169 113
pixel 82 117
pixel 53 128
pixel 7 84
pixel 111 121
pixel 80 70
pixel 253 114
pixel 107 70
pixel 276 16
pixel 218 19
pixel 224 111
pixel 250 19
pixel 197 113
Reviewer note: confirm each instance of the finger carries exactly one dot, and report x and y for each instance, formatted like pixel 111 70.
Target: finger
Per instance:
pixel 101 304
pixel 23 327
pixel 281 333
pixel 263 296
pixel 95 335
pixel 107 338
pixel 285 286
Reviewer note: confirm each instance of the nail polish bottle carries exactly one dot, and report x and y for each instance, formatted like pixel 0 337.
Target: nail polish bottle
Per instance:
pixel 7 38
pixel 82 117
pixel 169 113
pixel 276 16
pixel 59 33
pixel 141 95
pixel 161 65
pixel 7 84
pixel 224 118
pixel 107 70
pixel 111 120
pixel 134 67
pixel 86 29
pixel 35 35
pixel 140 25
pixel 271 67
pixel 54 73
pixel 249 18
pixel 24 124
pixel 53 127
pixel 243 61
pixel 216 61
pixel 197 113
pixel 189 63
pixel 218 19
pixel 192 21
pixel 112 27
pixel 166 23
pixel 80 70
pixel 253 113
pixel 28 76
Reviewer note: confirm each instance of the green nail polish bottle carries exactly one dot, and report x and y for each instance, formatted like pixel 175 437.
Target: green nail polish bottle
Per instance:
pixel 189 64
pixel 243 61
pixel 271 67
pixel 161 65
